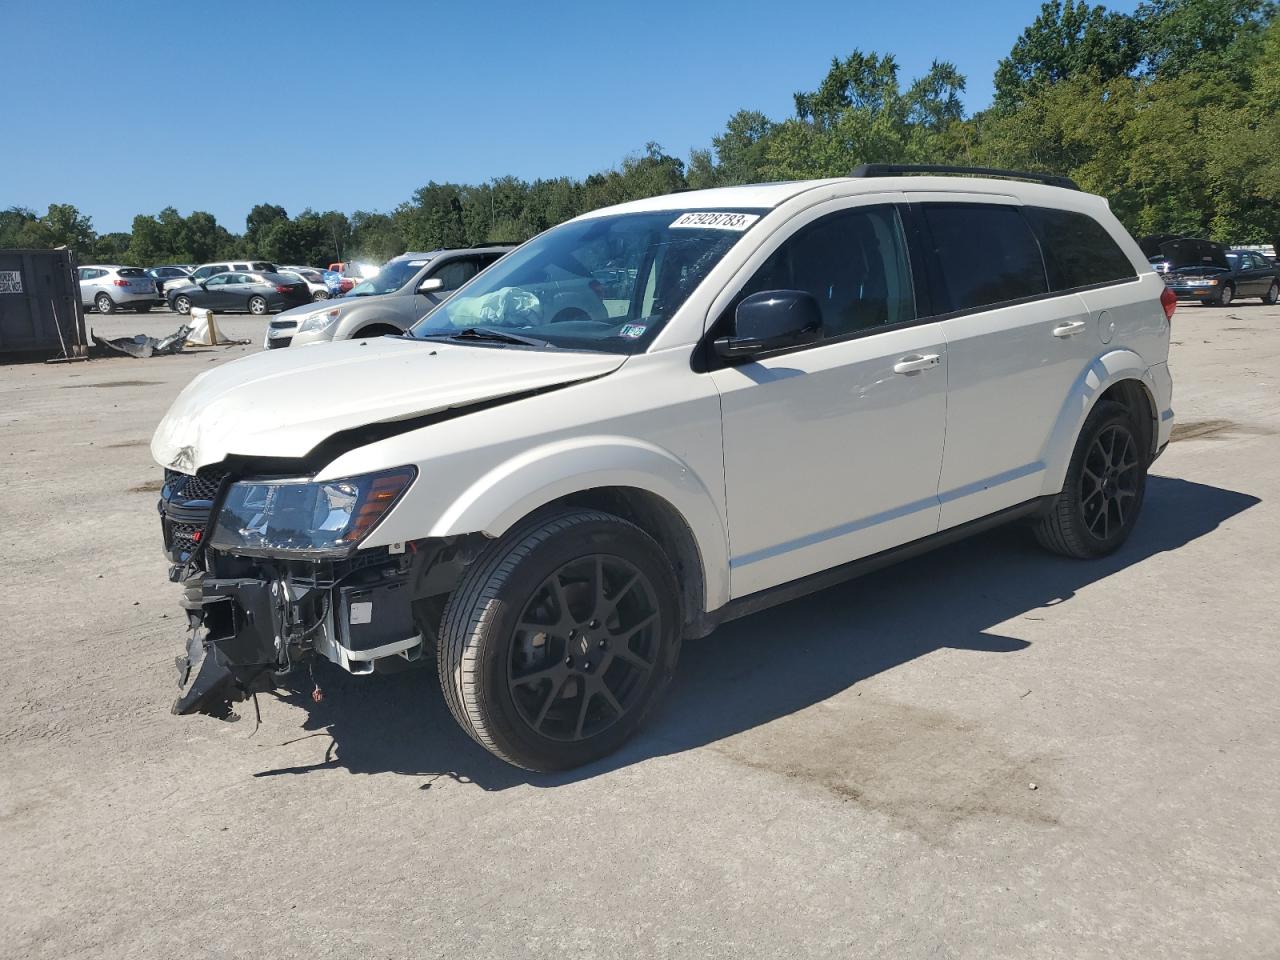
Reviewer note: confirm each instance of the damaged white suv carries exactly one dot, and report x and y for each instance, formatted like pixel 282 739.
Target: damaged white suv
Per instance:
pixel 778 387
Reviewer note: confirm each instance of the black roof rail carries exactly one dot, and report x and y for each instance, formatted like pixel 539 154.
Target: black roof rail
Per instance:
pixel 896 169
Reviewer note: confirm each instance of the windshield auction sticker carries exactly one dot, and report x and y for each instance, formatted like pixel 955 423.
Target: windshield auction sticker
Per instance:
pixel 715 221
pixel 10 281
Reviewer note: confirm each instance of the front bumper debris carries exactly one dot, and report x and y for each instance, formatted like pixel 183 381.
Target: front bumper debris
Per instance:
pixel 235 646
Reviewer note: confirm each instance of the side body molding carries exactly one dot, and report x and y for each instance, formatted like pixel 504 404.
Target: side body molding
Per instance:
pixel 517 487
pixel 1106 371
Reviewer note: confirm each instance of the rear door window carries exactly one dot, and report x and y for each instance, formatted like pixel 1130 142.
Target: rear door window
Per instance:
pixel 131 272
pixel 985 255
pixel 1078 250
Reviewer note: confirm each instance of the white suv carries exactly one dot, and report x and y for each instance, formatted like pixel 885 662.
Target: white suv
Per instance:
pixel 784 385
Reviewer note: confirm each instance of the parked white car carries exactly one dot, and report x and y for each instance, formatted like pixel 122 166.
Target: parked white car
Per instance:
pixel 801 382
pixel 109 287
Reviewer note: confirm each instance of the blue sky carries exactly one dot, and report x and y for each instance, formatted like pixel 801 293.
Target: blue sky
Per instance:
pixel 129 107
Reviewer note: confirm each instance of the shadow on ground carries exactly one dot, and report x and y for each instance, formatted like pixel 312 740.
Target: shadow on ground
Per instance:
pixel 775 663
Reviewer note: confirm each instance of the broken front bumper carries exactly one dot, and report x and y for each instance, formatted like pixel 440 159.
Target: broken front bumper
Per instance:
pixel 248 633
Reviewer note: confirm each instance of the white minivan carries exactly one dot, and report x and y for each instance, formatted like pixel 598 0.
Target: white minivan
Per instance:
pixel 785 385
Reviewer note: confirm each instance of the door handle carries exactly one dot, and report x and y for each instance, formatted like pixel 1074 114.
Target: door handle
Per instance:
pixel 916 363
pixel 1069 329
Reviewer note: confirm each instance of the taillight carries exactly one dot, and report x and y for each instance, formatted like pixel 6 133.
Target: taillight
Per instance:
pixel 121 283
pixel 1169 300
pixel 281 288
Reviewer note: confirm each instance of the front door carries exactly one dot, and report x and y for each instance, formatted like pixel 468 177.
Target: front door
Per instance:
pixel 216 293
pixel 832 452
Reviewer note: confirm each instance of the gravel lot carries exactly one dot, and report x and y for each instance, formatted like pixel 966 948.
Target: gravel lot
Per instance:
pixel 848 775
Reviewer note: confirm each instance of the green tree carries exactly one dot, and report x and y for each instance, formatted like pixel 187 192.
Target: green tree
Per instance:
pixel 261 219
pixel 738 155
pixel 1067 39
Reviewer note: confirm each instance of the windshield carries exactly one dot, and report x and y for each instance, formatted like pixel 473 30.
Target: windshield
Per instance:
pixel 606 283
pixel 389 279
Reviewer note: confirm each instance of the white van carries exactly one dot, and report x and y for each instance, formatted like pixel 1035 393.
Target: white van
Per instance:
pixel 791 384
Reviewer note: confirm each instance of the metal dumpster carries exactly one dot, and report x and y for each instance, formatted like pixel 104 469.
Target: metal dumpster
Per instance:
pixel 40 313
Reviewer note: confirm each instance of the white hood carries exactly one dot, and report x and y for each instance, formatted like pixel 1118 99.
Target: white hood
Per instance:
pixel 282 403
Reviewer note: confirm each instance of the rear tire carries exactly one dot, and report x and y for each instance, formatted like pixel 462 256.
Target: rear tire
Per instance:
pixel 559 639
pixel 319 295
pixel 104 304
pixel 1272 294
pixel 257 306
pixel 1103 492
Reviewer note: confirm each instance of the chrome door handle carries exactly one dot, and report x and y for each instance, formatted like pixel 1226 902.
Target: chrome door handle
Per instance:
pixel 916 362
pixel 1069 329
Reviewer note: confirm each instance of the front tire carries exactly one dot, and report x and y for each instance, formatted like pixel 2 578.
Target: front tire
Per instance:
pixel 181 305
pixel 319 295
pixel 1106 482
pixel 104 304
pixel 257 306
pixel 1225 295
pixel 560 639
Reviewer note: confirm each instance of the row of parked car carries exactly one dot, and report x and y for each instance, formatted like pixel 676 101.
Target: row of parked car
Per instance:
pixel 252 286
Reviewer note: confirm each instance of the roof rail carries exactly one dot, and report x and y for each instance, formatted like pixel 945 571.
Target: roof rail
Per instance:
pixel 896 169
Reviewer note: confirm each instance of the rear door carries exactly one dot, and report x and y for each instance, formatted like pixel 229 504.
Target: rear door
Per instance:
pixel 1013 351
pixel 1258 276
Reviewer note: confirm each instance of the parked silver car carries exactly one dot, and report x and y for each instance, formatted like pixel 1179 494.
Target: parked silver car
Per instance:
pixel 397 297
pixel 108 287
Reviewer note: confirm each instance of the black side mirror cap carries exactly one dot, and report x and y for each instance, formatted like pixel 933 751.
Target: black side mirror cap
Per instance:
pixel 770 321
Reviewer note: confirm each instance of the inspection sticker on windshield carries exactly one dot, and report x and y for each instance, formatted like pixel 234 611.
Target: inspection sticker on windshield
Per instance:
pixel 716 221
pixel 633 331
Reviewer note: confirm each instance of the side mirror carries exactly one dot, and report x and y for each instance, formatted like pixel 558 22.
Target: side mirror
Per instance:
pixel 769 321
pixel 431 285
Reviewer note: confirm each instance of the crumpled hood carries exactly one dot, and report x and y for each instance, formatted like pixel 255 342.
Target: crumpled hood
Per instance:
pixel 283 403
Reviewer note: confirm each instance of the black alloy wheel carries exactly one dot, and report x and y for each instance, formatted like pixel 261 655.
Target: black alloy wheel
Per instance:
pixel 1109 481
pixel 584 648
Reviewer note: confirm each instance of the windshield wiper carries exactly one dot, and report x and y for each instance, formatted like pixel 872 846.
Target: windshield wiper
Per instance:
pixel 487 335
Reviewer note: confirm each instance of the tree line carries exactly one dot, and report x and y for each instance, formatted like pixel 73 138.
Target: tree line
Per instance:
pixel 1171 112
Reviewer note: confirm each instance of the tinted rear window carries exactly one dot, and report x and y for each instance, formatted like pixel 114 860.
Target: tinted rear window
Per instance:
pixel 131 272
pixel 1078 250
pixel 986 255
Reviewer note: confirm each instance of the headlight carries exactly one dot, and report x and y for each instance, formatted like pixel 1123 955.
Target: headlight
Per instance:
pixel 1202 283
pixel 305 518
pixel 320 320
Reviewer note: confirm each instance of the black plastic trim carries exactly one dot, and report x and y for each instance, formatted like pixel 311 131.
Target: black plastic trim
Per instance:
pixel 898 169
pixel 793 590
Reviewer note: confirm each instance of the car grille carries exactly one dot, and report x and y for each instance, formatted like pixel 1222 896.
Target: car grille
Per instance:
pixel 203 486
pixel 181 539
pixel 184 510
pixel 275 343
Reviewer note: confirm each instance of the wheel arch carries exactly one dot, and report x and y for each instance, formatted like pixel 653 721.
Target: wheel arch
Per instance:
pixel 1120 375
pixel 376 329
pixel 642 483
